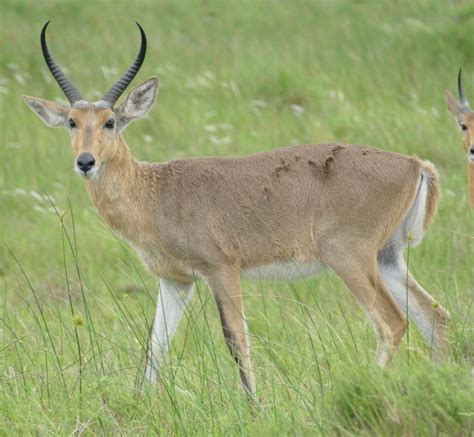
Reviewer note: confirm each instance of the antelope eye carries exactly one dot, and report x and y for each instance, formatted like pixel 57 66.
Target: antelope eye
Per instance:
pixel 72 123
pixel 463 127
pixel 110 123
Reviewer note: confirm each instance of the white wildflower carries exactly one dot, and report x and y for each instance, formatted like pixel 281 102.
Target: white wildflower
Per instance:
pixel 46 76
pixel 20 192
pixel 234 87
pixel 202 80
pixel 337 95
pixel 209 75
pixel 165 68
pixel 298 110
pixel 258 104
pixel 220 140
pixel 20 78
pixel 56 211
pixel 109 72
pixel 36 195
pixel 210 127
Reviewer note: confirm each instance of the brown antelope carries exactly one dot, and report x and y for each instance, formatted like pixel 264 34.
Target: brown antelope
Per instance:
pixel 282 214
pixel 464 115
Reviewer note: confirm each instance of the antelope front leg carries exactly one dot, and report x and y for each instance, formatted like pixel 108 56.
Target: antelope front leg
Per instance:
pixel 172 301
pixel 225 286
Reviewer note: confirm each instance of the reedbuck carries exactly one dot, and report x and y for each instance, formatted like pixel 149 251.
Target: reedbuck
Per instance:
pixel 282 214
pixel 465 117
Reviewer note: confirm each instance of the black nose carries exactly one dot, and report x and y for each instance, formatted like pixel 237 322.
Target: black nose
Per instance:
pixel 472 150
pixel 85 161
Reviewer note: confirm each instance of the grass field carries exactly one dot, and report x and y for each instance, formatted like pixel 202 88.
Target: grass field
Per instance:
pixel 236 78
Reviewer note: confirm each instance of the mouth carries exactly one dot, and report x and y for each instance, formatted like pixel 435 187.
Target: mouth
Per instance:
pixel 89 175
pixel 470 158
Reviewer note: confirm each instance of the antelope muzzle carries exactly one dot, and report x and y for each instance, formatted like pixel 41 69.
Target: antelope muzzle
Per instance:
pixel 85 164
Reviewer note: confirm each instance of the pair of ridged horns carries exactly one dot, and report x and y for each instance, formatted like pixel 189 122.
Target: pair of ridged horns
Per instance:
pixel 71 92
pixel 462 97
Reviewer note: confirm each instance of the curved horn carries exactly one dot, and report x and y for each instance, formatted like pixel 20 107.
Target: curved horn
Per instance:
pixel 119 87
pixel 68 88
pixel 462 97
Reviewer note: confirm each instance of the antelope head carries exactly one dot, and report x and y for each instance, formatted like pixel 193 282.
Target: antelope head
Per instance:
pixel 95 127
pixel 464 115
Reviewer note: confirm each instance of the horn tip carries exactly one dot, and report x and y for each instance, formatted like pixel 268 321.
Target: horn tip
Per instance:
pixel 43 31
pixel 142 32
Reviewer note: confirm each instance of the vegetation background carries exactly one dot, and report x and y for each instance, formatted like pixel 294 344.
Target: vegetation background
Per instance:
pixel 237 77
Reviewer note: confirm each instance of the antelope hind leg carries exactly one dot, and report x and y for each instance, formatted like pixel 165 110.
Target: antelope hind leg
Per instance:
pixel 362 278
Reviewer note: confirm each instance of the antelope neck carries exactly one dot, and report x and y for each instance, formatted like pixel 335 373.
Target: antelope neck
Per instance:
pixel 116 191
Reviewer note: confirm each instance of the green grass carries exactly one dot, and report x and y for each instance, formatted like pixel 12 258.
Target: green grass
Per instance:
pixel 75 301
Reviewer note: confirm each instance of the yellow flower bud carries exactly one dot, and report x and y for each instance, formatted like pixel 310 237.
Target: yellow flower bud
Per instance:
pixel 78 320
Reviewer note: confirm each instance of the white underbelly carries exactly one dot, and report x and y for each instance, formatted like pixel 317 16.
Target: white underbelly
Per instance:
pixel 285 271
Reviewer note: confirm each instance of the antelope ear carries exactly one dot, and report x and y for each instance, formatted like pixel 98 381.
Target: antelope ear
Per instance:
pixel 138 102
pixel 454 106
pixel 53 114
